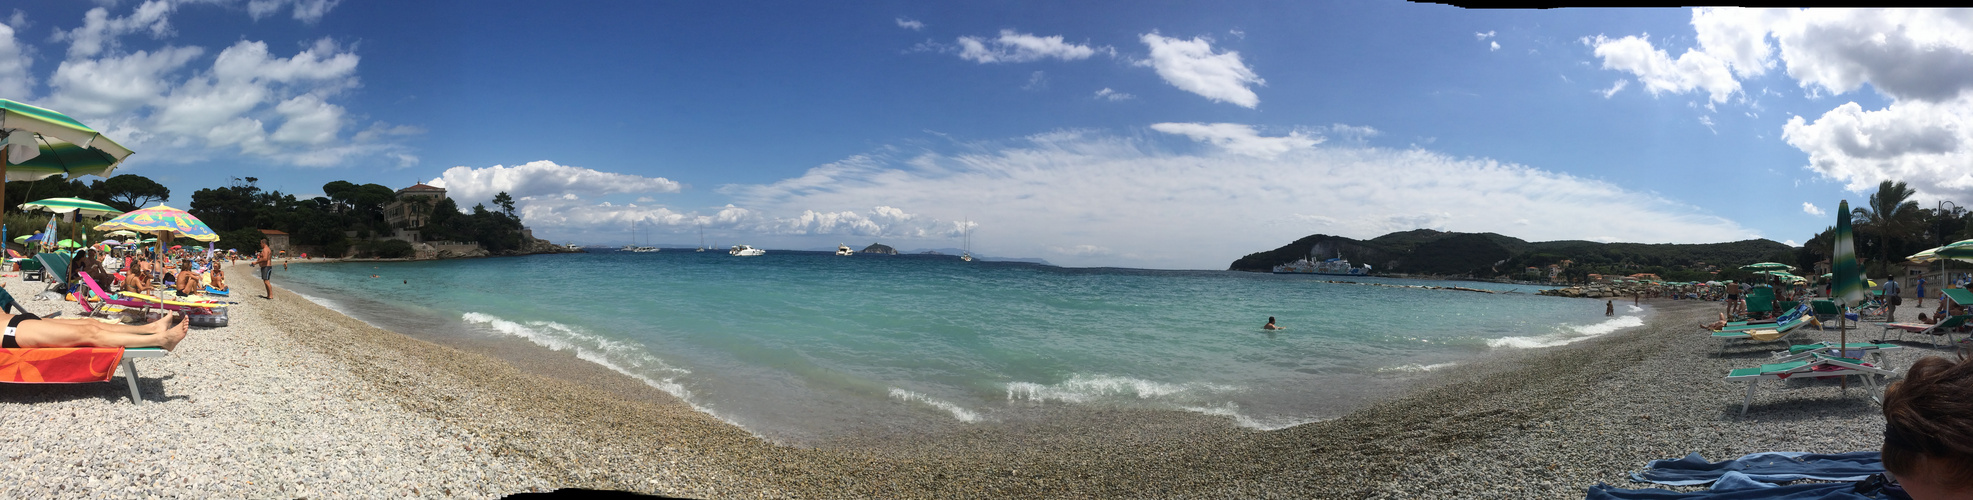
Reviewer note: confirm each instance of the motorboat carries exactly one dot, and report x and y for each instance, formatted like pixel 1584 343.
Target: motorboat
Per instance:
pixel 844 250
pixel 746 251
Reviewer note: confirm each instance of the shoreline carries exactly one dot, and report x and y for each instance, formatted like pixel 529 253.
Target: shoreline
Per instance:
pixel 1545 422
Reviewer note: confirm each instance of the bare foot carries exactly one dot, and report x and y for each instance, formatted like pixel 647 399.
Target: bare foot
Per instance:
pixel 176 334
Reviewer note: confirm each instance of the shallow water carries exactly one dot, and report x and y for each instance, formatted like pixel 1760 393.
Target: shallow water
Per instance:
pixel 797 346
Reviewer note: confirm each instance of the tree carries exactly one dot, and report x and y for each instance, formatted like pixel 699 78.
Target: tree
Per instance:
pixel 506 203
pixel 1890 217
pixel 130 191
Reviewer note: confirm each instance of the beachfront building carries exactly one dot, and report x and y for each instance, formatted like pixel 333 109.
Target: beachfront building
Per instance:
pixel 276 240
pixel 411 210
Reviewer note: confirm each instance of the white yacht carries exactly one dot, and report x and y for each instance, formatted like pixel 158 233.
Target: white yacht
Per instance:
pixel 844 250
pixel 746 251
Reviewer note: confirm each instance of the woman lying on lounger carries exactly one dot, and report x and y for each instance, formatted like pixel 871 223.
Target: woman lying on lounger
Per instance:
pixel 29 331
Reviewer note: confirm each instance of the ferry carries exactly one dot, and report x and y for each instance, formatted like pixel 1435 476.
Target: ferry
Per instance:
pixel 1336 267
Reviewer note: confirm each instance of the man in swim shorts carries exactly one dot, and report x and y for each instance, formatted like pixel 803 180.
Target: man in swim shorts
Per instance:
pixel 265 261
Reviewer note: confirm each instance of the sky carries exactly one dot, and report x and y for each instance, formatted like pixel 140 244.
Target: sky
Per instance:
pixel 1128 134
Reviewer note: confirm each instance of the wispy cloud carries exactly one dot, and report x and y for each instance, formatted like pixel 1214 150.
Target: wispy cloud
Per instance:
pixel 1015 47
pixel 1238 139
pixel 1615 88
pixel 910 24
pixel 1112 95
pixel 1811 209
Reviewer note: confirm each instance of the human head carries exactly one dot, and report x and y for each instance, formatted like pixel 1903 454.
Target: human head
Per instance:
pixel 1928 429
pixel 263 242
pixel 1270 319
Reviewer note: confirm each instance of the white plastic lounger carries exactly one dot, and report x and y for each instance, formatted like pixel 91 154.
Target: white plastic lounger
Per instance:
pixel 1816 366
pixel 130 369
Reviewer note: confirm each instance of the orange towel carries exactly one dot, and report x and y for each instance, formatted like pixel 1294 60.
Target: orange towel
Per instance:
pixel 59 365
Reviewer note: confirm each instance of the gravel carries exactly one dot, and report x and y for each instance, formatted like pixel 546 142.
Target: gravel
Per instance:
pixel 294 400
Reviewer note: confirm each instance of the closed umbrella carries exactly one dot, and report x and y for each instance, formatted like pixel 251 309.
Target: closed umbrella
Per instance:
pixel 1847 289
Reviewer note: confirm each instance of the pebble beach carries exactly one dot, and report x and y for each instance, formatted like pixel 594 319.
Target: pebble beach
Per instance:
pixel 296 400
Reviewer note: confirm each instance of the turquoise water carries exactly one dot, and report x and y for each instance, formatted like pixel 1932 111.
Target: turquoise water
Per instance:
pixel 805 345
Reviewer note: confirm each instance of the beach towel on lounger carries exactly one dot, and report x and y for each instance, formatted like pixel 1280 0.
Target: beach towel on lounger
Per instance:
pixel 58 365
pixel 1754 476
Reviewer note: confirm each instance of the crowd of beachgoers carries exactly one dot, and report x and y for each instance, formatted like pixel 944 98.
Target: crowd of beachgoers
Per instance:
pixel 293 399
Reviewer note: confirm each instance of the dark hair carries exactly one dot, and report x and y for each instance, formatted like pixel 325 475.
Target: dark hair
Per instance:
pixel 1270 319
pixel 1929 414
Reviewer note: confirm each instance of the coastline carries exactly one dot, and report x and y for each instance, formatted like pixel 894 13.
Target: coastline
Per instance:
pixel 1528 423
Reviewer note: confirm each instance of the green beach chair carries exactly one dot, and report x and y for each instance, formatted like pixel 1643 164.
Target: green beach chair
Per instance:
pixel 1825 309
pixel 1760 300
pixel 1817 365
pixel 1786 325
pixel 1803 351
pixel 1943 327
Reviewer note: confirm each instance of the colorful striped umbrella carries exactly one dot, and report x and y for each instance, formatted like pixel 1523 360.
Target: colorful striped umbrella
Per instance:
pixel 162 219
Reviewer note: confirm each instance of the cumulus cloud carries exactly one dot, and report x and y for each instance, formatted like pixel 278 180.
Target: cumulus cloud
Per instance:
pixel 1014 47
pixel 1660 73
pixel 1113 96
pixel 307 11
pixel 1192 66
pixel 1922 60
pixel 1493 46
pixel 543 180
pixel 1072 196
pixel 170 103
pixel 15 79
pixel 1811 209
pixel 1238 138
pixel 910 24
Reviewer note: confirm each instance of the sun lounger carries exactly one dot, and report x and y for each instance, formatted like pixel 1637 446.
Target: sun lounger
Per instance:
pixel 1817 365
pixel 1784 328
pixel 1935 330
pixel 1853 349
pixel 1825 309
pixel 139 301
pixel 56 270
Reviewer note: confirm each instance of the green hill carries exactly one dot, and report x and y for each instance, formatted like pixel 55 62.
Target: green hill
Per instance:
pixel 1485 255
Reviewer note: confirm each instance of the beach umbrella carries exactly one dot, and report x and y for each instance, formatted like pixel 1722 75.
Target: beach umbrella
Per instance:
pixel 67 243
pixel 1847 289
pixel 37 143
pixel 164 220
pixel 72 205
pixel 110 242
pixel 1767 266
pixel 122 232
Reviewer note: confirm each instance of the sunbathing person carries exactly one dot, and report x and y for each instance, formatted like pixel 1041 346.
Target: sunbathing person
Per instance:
pixel 1717 325
pixel 218 279
pixel 30 331
pixel 188 280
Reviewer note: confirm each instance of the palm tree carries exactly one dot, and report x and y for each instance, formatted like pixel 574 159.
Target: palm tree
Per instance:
pixel 1890 214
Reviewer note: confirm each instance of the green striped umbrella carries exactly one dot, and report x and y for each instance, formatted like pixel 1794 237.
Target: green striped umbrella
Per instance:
pixel 66 205
pixel 1767 266
pixel 1847 286
pixel 37 143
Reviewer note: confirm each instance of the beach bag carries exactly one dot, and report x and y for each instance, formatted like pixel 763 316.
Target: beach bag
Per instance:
pixel 1897 300
pixel 217 318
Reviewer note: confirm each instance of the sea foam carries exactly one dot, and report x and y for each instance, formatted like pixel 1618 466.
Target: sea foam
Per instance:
pixel 1568 334
pixel 1080 388
pixel 620 357
pixel 957 411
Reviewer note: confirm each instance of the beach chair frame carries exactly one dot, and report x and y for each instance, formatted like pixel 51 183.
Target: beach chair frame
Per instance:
pixel 1804 369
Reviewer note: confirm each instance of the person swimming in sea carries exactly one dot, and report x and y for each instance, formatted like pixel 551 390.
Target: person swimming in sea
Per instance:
pixel 1270 325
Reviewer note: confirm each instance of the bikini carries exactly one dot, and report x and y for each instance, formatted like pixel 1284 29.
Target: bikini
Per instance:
pixel 14 324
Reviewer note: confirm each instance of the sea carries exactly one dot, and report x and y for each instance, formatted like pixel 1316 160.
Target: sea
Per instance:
pixel 806 346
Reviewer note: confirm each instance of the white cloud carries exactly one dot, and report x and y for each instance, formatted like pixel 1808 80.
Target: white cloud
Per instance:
pixel 1693 70
pixel 99 31
pixel 1922 60
pixel 1238 139
pixel 1791 243
pixel 910 24
pixel 1482 36
pixel 1069 196
pixel 1112 95
pixel 1036 82
pixel 1021 47
pixel 15 78
pixel 1615 88
pixel 1494 46
pixel 18 21
pixel 543 180
pixel 307 11
pixel 1192 66
pixel 1811 209
pixel 166 102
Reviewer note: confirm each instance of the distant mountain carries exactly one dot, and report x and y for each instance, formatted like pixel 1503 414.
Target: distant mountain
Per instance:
pixel 1426 251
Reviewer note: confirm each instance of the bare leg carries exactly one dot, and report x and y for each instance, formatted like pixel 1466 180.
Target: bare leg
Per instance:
pixel 54 333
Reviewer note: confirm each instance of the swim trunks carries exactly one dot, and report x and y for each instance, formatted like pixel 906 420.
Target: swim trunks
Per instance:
pixel 13 324
pixel 267 273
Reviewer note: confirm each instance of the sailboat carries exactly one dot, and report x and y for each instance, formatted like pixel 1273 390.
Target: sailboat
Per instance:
pixel 966 241
pixel 633 246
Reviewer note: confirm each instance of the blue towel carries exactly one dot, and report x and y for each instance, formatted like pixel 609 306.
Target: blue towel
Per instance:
pixel 1767 466
pixel 1735 486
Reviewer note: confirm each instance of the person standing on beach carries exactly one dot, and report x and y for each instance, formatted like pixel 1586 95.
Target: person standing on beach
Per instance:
pixel 265 261
pixel 1891 299
pixel 1610 308
pixel 1921 291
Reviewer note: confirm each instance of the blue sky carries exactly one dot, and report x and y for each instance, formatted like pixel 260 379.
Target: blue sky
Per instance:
pixel 1171 135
